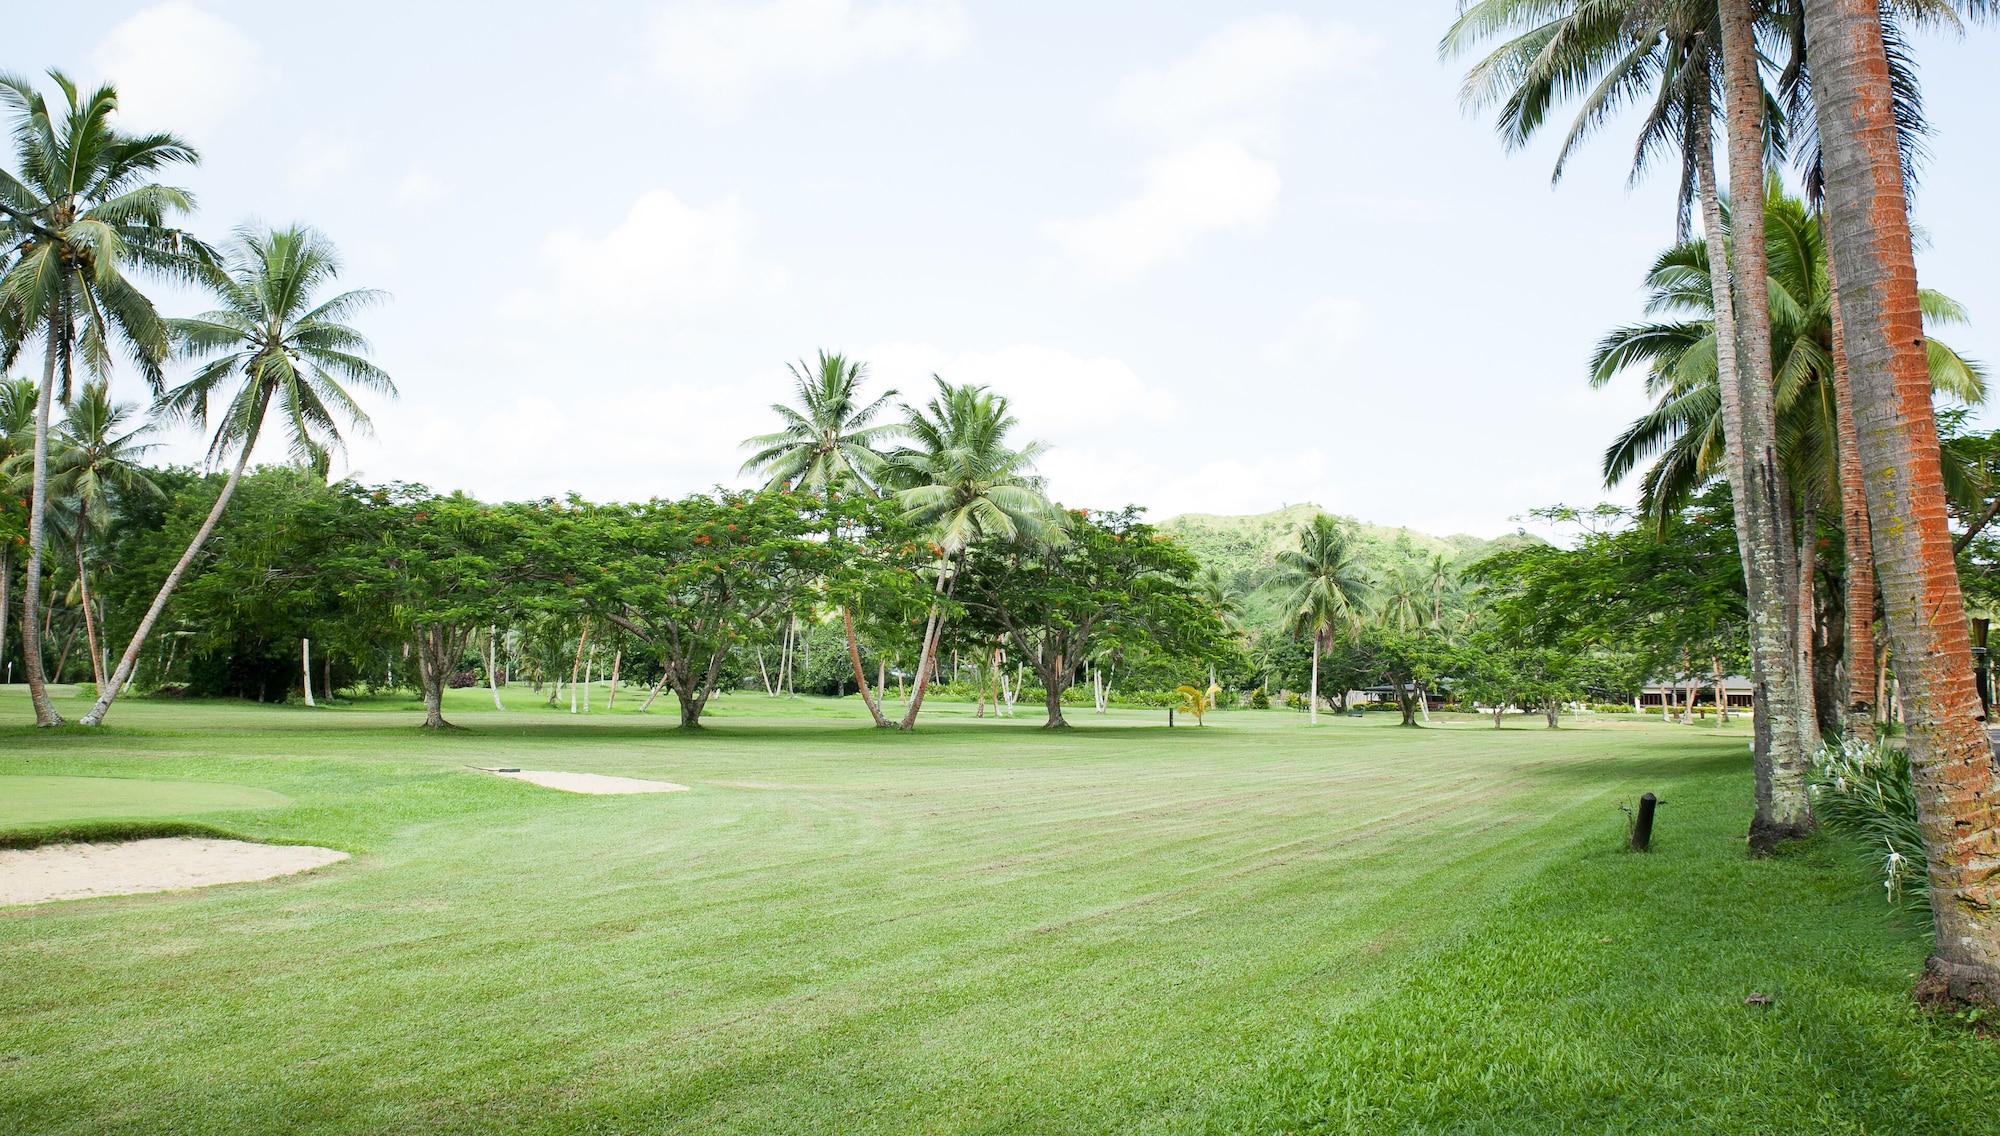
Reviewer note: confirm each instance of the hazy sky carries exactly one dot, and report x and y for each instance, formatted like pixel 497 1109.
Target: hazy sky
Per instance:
pixel 1223 256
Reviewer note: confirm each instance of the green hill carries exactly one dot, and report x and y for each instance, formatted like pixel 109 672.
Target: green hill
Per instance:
pixel 1245 550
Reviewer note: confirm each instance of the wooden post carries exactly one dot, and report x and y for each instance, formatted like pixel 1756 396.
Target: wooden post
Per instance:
pixel 1642 825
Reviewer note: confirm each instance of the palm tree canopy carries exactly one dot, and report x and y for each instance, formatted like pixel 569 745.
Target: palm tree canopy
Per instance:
pixel 76 211
pixel 1682 435
pixel 1325 583
pixel 275 345
pixel 100 451
pixel 829 440
pixel 959 476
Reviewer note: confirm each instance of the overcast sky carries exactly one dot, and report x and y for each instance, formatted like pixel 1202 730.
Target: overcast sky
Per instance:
pixel 1222 256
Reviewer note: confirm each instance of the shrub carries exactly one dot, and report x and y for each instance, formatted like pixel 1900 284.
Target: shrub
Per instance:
pixel 1260 699
pixel 1862 790
pixel 1612 708
pixel 462 679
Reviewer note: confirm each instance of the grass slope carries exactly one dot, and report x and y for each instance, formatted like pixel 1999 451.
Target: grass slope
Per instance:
pixel 980 928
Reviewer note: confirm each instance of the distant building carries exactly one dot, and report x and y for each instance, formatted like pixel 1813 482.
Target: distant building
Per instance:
pixel 1659 692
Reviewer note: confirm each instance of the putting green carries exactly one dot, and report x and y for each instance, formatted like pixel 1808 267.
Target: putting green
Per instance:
pixel 46 800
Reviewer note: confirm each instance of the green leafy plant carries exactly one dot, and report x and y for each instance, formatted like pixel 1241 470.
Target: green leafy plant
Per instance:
pixel 1862 790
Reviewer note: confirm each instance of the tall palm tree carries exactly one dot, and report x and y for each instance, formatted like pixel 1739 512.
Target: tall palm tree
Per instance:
pixel 77 212
pixel 98 455
pixel 18 400
pixel 1401 604
pixel 1868 237
pixel 962 479
pixel 1439 578
pixel 273 345
pixel 1325 590
pixel 829 443
pixel 830 440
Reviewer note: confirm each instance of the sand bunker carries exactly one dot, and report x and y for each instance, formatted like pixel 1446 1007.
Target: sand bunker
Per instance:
pixel 594 783
pixel 78 871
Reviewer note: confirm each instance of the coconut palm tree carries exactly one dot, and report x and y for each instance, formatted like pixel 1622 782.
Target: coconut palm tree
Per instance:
pixel 1681 436
pixel 77 212
pixel 830 441
pixel 98 456
pixel 1325 590
pixel 273 346
pixel 18 400
pixel 962 479
pixel 1868 238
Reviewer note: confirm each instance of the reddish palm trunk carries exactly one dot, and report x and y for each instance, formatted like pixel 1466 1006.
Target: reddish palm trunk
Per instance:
pixel 1859 644
pixel 89 618
pixel 1763 511
pixel 1868 232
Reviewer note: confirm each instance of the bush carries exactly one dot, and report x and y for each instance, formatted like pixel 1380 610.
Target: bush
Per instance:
pixel 1260 699
pixel 1612 708
pixel 459 680
pixel 1862 790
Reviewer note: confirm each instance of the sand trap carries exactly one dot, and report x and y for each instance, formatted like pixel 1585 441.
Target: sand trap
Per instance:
pixel 593 783
pixel 78 871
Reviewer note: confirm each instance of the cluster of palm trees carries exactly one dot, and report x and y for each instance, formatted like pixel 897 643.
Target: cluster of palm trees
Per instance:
pixel 1829 86
pixel 949 463
pixel 82 216
pixel 1330 593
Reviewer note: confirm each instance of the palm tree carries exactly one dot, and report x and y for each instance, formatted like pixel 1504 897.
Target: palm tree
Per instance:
pixel 1325 589
pixel 18 400
pixel 1439 578
pixel 830 442
pixel 1401 604
pixel 76 213
pixel 1682 435
pixel 98 453
pixel 1868 237
pixel 269 347
pixel 959 477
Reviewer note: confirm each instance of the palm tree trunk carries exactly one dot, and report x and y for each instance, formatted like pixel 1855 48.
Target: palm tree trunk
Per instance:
pixel 617 658
pixel 1312 696
pixel 927 658
pixel 492 664
pixel 1951 759
pixel 860 672
pixel 6 601
pixel 130 659
pixel 306 665
pixel 576 664
pixel 89 618
pixel 1721 694
pixel 31 594
pixel 1763 513
pixel 1858 648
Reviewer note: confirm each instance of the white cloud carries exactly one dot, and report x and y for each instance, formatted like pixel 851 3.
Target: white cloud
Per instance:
pixel 1324 334
pixel 1213 186
pixel 718 52
pixel 1059 396
pixel 1237 81
pixel 317 161
pixel 664 252
pixel 420 189
pixel 179 67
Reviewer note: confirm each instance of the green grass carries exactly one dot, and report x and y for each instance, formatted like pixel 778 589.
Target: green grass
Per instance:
pixel 981 928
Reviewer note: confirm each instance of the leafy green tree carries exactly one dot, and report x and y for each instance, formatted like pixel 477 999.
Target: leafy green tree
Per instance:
pixel 1325 590
pixel 961 479
pixel 693 579
pixel 1408 662
pixel 1112 581
pixel 273 345
pixel 78 211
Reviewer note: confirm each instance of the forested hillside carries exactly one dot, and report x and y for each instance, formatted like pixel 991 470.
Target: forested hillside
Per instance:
pixel 1245 549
